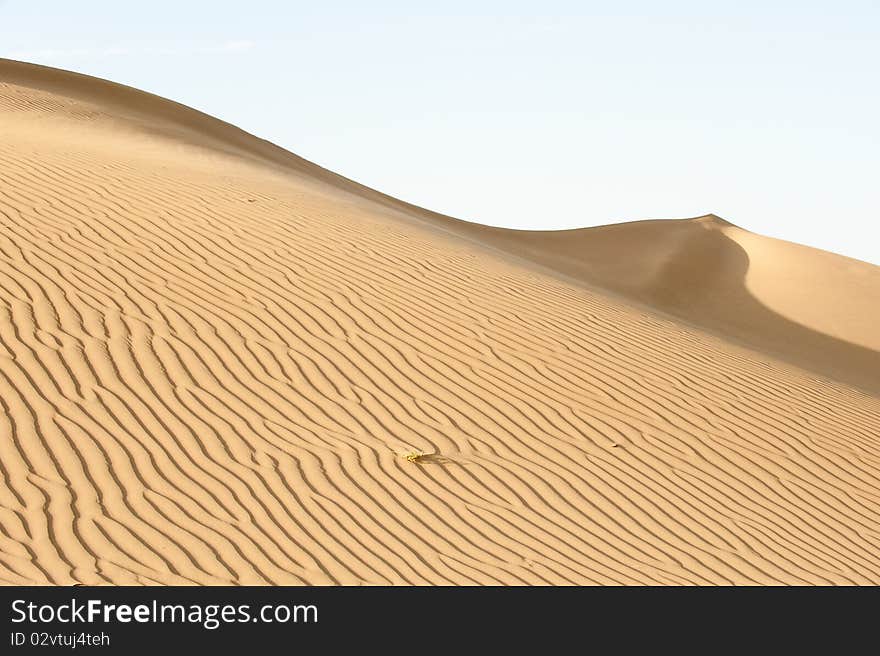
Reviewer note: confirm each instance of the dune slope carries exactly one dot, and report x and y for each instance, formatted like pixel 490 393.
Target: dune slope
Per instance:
pixel 215 357
pixel 814 309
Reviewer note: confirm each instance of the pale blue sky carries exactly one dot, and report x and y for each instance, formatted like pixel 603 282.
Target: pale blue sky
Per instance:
pixel 526 114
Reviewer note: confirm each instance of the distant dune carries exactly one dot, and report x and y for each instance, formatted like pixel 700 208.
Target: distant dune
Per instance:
pixel 220 363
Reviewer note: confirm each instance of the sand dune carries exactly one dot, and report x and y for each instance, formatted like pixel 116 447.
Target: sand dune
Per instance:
pixel 817 310
pixel 215 357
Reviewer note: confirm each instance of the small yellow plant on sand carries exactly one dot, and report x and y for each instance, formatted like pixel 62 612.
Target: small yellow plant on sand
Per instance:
pixel 414 456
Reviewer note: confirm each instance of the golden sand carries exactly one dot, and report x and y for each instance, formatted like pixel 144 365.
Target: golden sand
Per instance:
pixel 220 364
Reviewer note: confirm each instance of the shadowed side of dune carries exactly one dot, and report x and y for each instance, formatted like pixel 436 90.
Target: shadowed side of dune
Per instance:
pixel 692 270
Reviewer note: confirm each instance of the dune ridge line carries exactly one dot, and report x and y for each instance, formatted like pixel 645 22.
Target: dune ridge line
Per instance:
pixel 220 363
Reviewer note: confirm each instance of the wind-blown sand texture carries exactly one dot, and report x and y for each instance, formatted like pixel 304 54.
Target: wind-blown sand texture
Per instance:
pixel 215 357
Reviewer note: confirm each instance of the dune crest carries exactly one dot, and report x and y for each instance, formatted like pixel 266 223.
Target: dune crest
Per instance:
pixel 220 363
pixel 814 309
